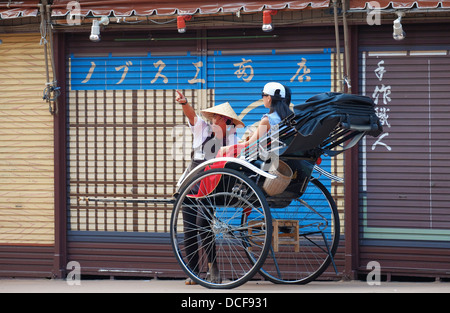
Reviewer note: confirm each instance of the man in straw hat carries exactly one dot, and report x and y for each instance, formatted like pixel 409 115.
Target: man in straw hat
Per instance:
pixel 208 139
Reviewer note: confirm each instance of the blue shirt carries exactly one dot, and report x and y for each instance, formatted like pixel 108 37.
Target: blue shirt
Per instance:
pixel 273 117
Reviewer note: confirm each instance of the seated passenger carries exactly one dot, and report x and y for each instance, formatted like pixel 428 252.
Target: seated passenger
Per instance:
pixel 276 98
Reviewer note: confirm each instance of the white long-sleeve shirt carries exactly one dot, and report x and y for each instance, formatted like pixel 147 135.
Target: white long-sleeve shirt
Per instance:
pixel 201 131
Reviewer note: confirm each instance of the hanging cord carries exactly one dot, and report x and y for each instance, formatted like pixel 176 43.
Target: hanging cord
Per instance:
pixel 51 91
pixel 51 94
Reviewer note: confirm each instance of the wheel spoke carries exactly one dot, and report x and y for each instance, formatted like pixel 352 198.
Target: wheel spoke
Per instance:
pixel 222 229
pixel 315 215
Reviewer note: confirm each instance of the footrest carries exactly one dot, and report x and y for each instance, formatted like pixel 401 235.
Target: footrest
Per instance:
pixel 285 232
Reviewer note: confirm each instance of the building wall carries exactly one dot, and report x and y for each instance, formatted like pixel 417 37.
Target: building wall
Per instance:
pixel 394 237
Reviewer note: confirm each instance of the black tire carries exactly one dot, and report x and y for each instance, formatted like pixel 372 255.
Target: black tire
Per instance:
pixel 234 220
pixel 318 218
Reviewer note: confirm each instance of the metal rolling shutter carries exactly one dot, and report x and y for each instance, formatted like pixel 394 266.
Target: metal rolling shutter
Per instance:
pixel 26 160
pixel 306 73
pixel 404 173
pixel 123 124
pixel 121 131
pixel 239 76
pixel 26 144
pixel 120 145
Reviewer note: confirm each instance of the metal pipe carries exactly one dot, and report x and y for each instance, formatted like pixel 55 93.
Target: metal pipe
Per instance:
pixel 90 199
pixel 346 48
pixel 194 38
pixel 338 49
pixel 18 5
pixel 393 11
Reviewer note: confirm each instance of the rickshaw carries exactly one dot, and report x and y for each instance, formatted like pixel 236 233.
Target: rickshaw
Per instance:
pixel 263 209
pixel 266 210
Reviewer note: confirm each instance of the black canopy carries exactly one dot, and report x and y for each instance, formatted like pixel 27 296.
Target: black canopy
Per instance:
pixel 351 111
pixel 326 121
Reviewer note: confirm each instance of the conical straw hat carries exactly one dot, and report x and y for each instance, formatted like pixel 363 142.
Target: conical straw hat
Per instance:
pixel 223 109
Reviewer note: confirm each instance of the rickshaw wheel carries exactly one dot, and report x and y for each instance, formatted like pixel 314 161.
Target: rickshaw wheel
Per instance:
pixel 308 233
pixel 215 230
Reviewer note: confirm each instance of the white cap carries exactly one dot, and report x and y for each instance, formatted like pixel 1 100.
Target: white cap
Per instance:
pixel 271 89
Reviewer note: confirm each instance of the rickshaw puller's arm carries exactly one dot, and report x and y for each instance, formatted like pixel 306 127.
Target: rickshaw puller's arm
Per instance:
pixel 188 110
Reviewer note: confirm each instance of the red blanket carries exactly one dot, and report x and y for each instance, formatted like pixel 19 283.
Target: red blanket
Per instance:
pixel 209 183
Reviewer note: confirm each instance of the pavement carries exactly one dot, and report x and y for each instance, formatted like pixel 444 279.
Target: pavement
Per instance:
pixel 178 287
